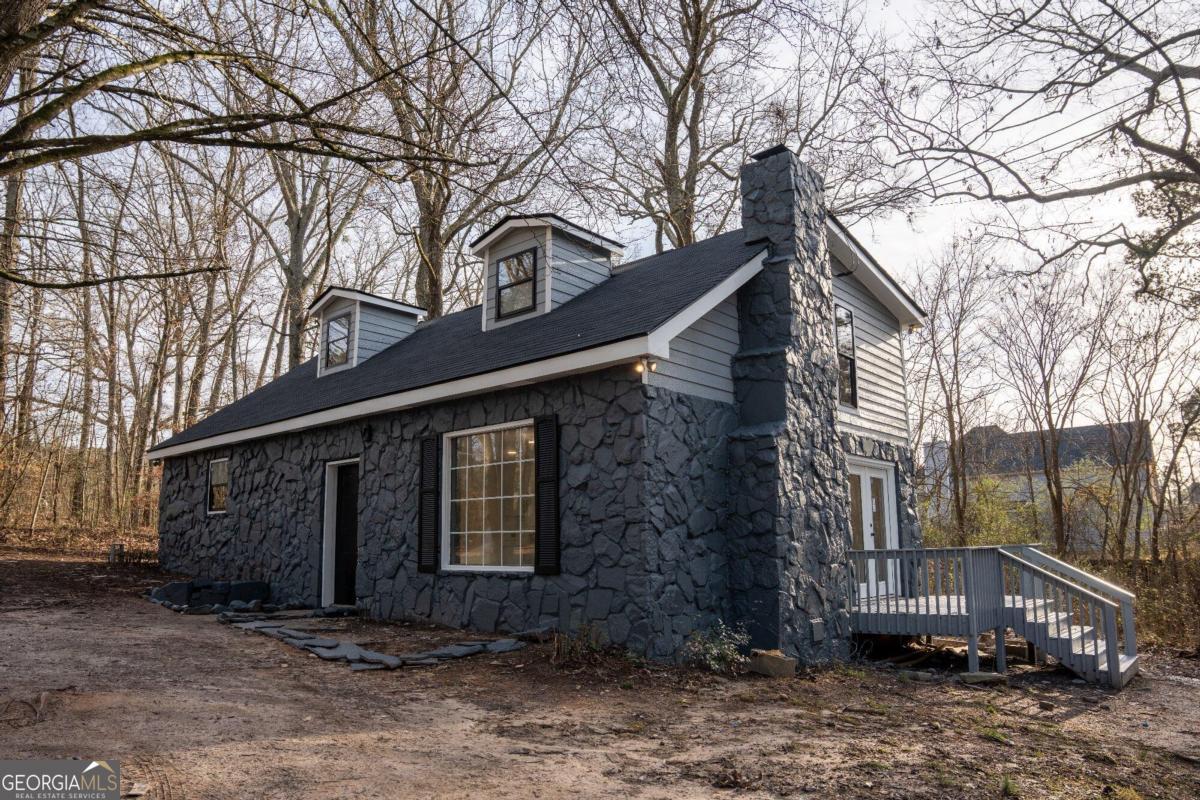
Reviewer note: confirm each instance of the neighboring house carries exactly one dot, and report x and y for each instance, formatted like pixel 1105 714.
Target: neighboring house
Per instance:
pixel 644 448
pixel 1091 458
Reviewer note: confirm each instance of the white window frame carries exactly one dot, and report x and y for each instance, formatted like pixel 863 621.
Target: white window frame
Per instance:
pixel 444 556
pixel 856 400
pixel 329 527
pixel 351 345
pixel 209 510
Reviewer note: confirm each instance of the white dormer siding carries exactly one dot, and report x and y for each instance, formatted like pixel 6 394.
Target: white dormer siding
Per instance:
pixel 375 323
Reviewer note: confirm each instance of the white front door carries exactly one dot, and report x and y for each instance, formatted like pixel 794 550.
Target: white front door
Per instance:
pixel 873 526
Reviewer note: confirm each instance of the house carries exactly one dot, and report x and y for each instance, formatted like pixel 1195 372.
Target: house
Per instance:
pixel 1095 461
pixel 641 447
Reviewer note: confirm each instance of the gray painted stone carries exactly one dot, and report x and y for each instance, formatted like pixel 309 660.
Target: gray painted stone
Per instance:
pixel 675 511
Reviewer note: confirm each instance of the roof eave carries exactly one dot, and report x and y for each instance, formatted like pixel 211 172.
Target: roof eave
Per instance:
pixel 514 222
pixel 655 344
pixel 871 274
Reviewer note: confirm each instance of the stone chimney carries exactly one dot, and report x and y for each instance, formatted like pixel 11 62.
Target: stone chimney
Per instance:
pixel 790 528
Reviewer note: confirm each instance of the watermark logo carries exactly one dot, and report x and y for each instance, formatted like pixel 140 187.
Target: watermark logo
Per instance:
pixel 60 779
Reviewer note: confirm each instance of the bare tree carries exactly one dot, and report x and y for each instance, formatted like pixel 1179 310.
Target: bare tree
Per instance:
pixel 494 92
pixel 953 354
pixel 1053 102
pixel 1048 342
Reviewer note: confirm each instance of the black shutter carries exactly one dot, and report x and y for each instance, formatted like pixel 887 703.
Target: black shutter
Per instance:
pixel 546 548
pixel 428 532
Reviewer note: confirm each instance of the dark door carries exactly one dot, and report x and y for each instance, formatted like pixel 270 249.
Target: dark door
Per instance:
pixel 345 549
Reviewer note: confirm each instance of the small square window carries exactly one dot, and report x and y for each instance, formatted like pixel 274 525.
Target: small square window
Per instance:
pixel 516 283
pixel 337 341
pixel 218 486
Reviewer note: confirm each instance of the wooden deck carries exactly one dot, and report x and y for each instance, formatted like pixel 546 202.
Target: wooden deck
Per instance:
pixel 1084 622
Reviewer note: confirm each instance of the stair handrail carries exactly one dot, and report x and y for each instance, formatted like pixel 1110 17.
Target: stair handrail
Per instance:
pixel 1045 573
pixel 1123 597
pixel 1109 608
pixel 1033 553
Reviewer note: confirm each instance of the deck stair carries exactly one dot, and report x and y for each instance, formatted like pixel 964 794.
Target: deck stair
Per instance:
pixel 1065 613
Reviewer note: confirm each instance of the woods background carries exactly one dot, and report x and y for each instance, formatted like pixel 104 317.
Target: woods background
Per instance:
pixel 181 180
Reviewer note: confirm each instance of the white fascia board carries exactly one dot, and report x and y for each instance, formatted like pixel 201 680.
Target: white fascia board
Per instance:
pixel 533 372
pixel 539 222
pixel 362 297
pixel 871 275
pixel 661 337
pixel 656 344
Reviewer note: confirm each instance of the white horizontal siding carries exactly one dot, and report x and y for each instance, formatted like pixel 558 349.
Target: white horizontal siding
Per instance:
pixel 701 361
pixel 882 405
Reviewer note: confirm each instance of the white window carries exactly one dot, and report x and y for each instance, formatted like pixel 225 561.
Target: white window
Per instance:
pixel 337 340
pixel 218 485
pixel 488 498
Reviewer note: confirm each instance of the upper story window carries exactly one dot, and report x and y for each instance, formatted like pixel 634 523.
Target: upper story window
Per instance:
pixel 516 283
pixel 218 485
pixel 843 323
pixel 337 340
pixel 489 483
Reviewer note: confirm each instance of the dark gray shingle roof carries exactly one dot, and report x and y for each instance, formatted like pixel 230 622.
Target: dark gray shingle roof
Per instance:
pixel 633 302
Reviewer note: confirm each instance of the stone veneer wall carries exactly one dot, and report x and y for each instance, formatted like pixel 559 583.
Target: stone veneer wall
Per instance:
pixel 686 479
pixel 789 531
pixel 641 500
pixel 906 488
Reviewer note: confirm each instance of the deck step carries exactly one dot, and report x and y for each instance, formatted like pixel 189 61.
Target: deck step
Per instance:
pixel 1129 668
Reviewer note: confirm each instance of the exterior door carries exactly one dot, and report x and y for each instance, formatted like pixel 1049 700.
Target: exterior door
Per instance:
pixel 873 525
pixel 345 549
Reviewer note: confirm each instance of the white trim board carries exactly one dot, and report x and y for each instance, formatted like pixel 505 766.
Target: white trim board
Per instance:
pixel 538 221
pixel 444 564
pixel 362 297
pixel 871 275
pixel 329 529
pixel 656 344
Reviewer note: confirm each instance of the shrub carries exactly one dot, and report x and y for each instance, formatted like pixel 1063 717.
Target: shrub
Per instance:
pixel 720 649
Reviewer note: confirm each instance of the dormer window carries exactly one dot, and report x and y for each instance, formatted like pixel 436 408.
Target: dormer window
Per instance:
pixel 337 340
pixel 533 263
pixel 356 326
pixel 516 283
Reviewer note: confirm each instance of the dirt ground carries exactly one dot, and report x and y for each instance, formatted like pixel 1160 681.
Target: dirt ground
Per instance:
pixel 196 709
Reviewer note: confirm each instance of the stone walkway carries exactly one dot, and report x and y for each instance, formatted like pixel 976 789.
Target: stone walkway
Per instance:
pixel 362 659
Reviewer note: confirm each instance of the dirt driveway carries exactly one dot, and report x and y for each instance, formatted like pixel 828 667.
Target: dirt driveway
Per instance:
pixel 195 709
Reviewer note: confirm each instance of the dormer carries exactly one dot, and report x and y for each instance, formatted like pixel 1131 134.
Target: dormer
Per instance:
pixel 534 263
pixel 356 325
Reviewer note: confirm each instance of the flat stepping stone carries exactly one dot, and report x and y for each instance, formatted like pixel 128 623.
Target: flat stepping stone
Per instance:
pixel 504 646
pixel 456 651
pixel 364 666
pixel 257 625
pixel 291 633
pixel 391 662
pixel 345 651
pixel 309 644
pixel 421 662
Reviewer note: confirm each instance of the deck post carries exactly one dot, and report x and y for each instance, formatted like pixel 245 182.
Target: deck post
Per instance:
pixel 1001 656
pixel 973 653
